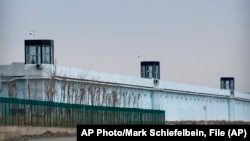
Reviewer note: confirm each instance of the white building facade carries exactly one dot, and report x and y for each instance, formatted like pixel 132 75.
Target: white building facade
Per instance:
pixel 41 79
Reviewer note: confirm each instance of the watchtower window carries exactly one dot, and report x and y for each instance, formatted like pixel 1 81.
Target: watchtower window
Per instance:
pixel 39 51
pixel 143 75
pixel 46 55
pixel 150 69
pixel 227 83
pixel 33 54
pixel 156 72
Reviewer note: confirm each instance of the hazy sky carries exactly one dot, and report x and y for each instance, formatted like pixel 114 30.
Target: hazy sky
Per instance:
pixel 196 41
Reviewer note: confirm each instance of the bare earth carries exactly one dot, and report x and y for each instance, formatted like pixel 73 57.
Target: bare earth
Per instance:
pixel 55 139
pixel 69 137
pixel 46 137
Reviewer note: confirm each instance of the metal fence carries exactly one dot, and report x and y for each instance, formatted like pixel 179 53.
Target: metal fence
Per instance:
pixel 21 112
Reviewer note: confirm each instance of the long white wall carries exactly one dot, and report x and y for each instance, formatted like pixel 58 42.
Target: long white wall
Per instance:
pixel 180 101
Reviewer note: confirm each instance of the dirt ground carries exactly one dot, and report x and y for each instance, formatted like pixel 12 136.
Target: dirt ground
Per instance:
pixel 49 134
pixel 43 135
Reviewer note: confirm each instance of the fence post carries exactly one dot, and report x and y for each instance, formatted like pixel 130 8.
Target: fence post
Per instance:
pixel 5 112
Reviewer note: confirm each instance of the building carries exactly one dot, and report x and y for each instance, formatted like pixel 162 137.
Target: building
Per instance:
pixel 38 77
pixel 150 69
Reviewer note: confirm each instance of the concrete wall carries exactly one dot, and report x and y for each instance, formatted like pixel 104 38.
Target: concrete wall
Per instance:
pixel 180 101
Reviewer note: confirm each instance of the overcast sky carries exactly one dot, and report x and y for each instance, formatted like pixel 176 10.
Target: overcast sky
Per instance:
pixel 196 41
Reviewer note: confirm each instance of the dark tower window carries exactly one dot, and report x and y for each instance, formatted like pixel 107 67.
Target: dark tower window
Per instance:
pixel 227 83
pixel 150 69
pixel 46 54
pixel 39 52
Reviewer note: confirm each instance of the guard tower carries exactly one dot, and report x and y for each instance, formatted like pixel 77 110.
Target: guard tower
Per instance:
pixel 39 52
pixel 227 83
pixel 150 69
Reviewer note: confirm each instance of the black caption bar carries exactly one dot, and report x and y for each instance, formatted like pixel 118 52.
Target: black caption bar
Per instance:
pixel 203 132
